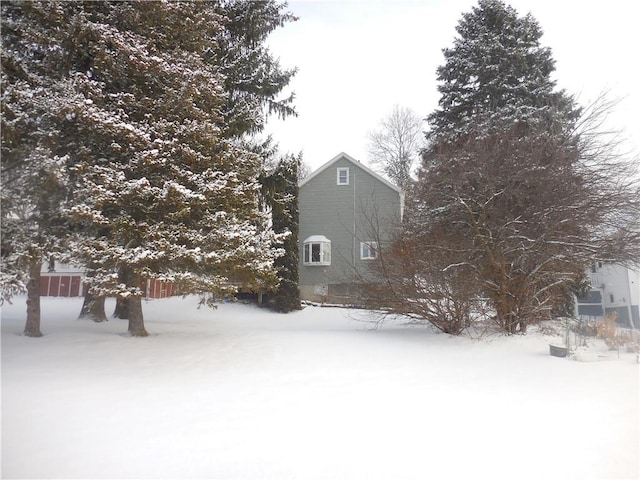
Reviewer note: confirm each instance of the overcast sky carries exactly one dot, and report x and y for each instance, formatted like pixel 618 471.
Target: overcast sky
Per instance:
pixel 358 58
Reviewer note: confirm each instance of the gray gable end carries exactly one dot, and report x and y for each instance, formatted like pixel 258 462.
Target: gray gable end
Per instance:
pixel 347 212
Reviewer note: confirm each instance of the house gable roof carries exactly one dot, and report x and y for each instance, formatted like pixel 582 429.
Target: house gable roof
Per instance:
pixel 344 156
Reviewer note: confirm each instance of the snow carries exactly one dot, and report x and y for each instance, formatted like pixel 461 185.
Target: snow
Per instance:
pixel 242 393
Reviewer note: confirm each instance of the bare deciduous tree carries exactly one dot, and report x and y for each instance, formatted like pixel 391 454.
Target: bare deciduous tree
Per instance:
pixel 422 288
pixel 531 212
pixel 613 176
pixel 395 145
pixel 514 219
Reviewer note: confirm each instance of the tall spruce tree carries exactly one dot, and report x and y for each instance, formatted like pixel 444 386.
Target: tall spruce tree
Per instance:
pixel 280 191
pixel 253 77
pixel 496 74
pixel 163 186
pixel 508 191
pixel 34 182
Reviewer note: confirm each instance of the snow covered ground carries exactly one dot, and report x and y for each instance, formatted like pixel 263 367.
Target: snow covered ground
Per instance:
pixel 242 393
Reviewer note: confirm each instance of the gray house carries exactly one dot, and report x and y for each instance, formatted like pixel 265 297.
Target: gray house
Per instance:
pixel 347 212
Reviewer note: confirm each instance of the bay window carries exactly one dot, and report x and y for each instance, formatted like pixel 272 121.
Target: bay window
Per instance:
pixel 317 250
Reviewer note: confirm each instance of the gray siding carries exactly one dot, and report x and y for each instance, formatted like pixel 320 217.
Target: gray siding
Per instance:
pixel 346 215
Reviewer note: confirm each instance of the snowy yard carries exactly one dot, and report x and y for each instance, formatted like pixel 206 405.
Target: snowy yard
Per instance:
pixel 242 393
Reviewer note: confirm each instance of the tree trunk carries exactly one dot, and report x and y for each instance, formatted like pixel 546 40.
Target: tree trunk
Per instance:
pixel 136 320
pixel 514 324
pixel 122 304
pixel 122 308
pixel 32 328
pixel 93 308
pixel 134 306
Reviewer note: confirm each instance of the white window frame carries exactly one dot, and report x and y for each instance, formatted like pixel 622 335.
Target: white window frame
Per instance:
pixel 322 256
pixel 338 178
pixel 368 250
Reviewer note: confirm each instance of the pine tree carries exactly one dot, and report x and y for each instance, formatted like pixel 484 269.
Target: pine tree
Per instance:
pixel 33 173
pixel 280 192
pixel 162 185
pixel 253 77
pixel 496 74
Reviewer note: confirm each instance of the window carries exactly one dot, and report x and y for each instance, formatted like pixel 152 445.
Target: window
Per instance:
pixel 343 176
pixel 368 250
pixel 611 298
pixel 317 250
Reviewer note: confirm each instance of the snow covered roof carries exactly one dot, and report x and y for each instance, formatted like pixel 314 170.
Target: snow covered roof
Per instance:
pixel 61 268
pixel 317 238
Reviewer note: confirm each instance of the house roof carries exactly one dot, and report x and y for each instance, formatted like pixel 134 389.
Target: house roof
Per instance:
pixel 344 156
pixel 317 238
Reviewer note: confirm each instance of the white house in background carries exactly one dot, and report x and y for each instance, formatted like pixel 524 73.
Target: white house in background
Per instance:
pixel 614 288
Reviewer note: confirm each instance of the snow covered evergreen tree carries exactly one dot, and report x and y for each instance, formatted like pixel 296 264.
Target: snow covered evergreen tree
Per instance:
pixel 509 190
pixel 280 192
pixel 496 74
pixel 34 190
pixel 163 184
pixel 253 77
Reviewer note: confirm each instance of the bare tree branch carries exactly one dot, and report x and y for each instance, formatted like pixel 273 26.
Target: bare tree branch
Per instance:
pixel 395 145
